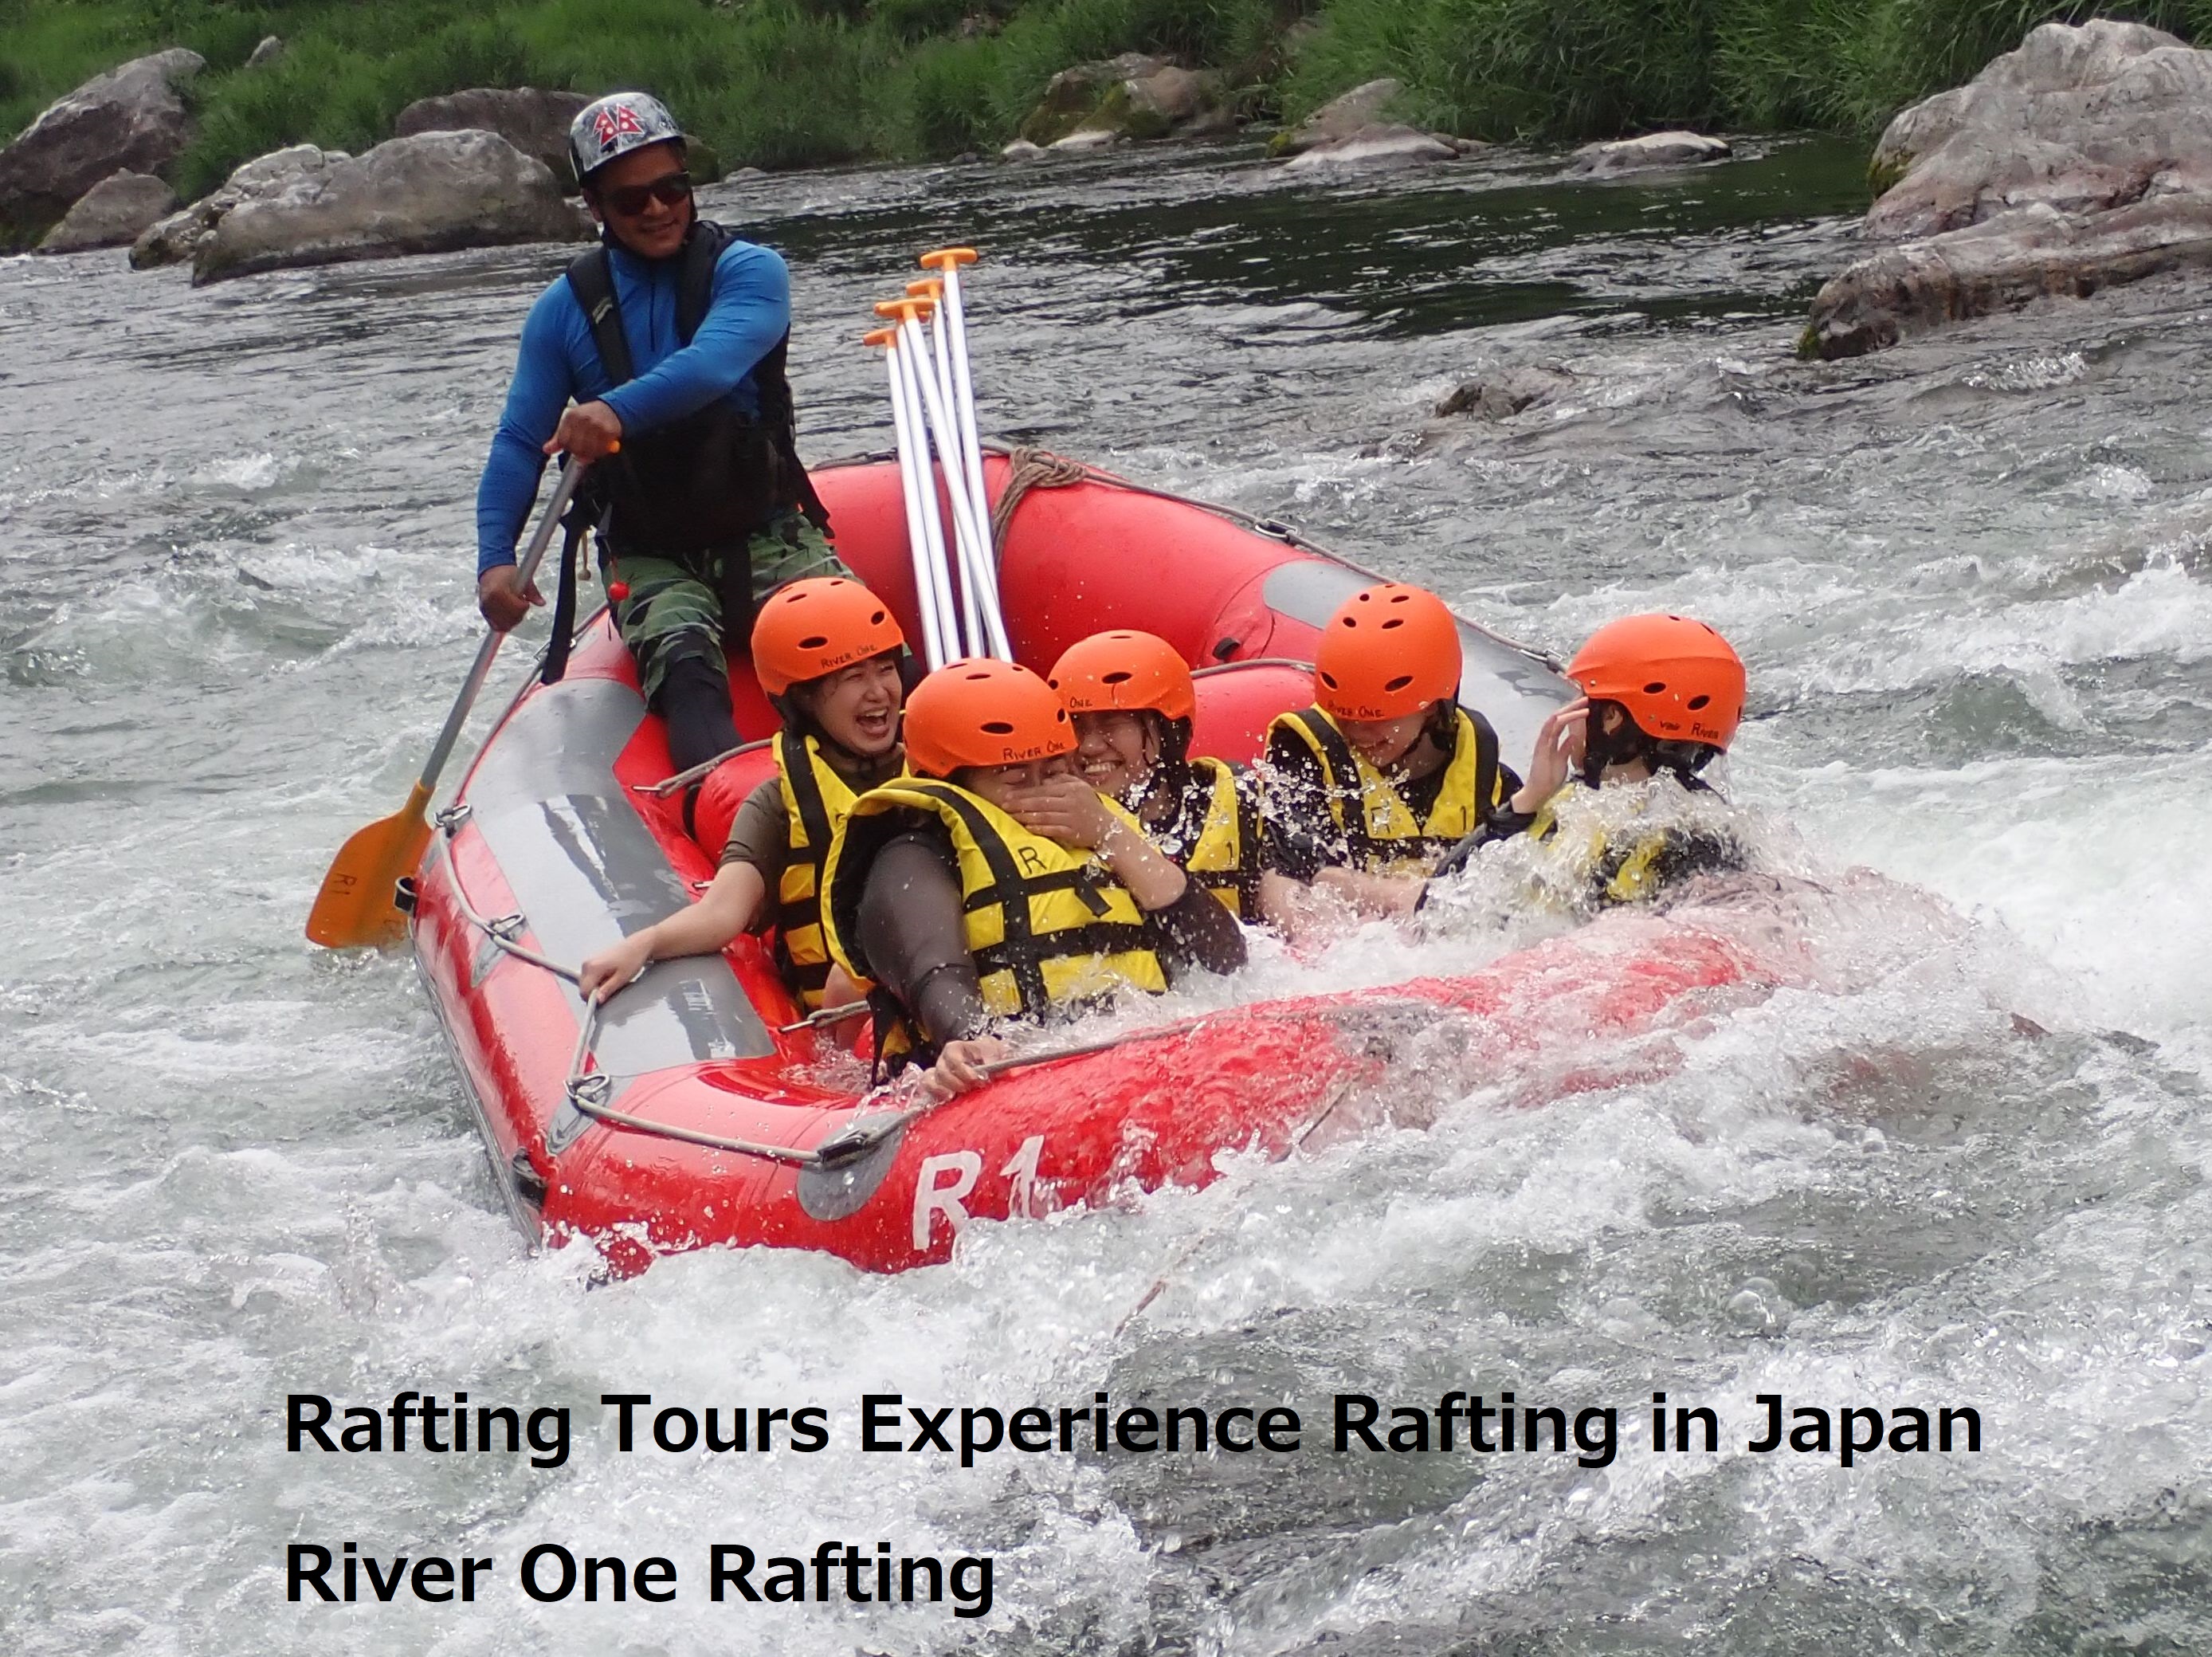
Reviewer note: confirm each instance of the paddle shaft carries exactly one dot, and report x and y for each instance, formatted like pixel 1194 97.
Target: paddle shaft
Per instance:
pixel 548 521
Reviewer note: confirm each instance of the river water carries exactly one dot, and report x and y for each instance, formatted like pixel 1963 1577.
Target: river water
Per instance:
pixel 1970 577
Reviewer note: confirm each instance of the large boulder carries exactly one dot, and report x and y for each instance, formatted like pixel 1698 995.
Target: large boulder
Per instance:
pixel 429 193
pixel 112 214
pixel 1340 117
pixel 2080 119
pixel 2081 161
pixel 178 239
pixel 534 121
pixel 131 119
pixel 1653 149
pixel 1132 96
pixel 2032 252
pixel 1383 143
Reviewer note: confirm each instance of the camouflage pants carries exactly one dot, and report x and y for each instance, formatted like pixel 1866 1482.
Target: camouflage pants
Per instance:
pixel 675 607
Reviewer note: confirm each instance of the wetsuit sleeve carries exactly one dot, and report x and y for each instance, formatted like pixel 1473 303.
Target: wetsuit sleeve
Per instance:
pixel 749 312
pixel 540 390
pixel 760 834
pixel 1197 930
pixel 910 934
pixel 1292 805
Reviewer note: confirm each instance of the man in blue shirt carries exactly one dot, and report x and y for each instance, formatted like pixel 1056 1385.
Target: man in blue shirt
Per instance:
pixel 658 358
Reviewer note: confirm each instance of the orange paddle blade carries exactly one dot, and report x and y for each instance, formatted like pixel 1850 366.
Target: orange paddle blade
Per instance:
pixel 354 907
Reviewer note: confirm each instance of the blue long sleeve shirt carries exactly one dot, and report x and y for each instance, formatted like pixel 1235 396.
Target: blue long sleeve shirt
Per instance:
pixel 748 312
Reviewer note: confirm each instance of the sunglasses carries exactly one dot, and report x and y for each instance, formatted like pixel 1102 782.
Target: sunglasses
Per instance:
pixel 631 199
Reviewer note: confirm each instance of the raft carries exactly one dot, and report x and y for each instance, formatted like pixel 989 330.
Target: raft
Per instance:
pixel 695 1109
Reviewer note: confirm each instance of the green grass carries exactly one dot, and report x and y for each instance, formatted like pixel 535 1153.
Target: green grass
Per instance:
pixel 794 83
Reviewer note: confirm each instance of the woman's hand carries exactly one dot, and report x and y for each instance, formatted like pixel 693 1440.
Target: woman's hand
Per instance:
pixel 1066 809
pixel 611 969
pixel 959 1067
pixel 1559 751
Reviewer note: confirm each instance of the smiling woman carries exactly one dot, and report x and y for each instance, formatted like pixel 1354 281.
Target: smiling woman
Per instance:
pixel 827 653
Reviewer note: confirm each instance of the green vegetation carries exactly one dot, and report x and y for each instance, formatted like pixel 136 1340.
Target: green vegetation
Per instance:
pixel 793 82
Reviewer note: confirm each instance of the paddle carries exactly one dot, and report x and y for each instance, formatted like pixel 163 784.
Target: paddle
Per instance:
pixel 354 907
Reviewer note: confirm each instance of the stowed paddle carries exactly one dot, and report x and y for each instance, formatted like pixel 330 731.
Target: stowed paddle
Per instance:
pixel 355 907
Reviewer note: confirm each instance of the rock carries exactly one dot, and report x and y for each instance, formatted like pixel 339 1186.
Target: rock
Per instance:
pixel 2081 118
pixel 270 49
pixel 178 239
pixel 1084 139
pixel 128 120
pixel 111 214
pixel 1021 149
pixel 1340 117
pixel 534 122
pixel 1132 96
pixel 2031 253
pixel 1385 144
pixel 431 192
pixel 1653 149
pixel 2080 160
pixel 1500 393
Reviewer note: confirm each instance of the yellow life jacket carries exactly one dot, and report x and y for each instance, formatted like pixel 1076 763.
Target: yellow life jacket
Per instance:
pixel 1625 868
pixel 1214 836
pixel 1047 927
pixel 815 802
pixel 1377 827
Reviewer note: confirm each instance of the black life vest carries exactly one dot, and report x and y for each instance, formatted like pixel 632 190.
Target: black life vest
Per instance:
pixel 711 479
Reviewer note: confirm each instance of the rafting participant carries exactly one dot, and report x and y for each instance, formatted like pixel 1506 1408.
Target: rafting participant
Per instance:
pixel 995 884
pixel 827 651
pixel 1131 699
pixel 1662 695
pixel 658 358
pixel 1386 772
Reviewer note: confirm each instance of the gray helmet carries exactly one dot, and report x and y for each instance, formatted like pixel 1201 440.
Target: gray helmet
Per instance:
pixel 615 125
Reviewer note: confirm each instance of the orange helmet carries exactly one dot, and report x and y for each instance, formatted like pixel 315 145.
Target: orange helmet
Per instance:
pixel 1678 678
pixel 984 712
pixel 812 628
pixel 1124 669
pixel 1389 651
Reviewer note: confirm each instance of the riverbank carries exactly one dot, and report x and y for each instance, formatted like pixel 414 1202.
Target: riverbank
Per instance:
pixel 780 84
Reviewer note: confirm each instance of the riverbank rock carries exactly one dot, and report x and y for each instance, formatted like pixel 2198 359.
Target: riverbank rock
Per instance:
pixel 2081 161
pixel 131 119
pixel 270 49
pixel 1021 149
pixel 1133 96
pixel 1653 149
pixel 429 193
pixel 178 239
pixel 533 121
pixel 1340 117
pixel 1383 144
pixel 113 213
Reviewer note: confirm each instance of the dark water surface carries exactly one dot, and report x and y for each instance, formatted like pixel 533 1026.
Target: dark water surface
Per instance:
pixel 1971 581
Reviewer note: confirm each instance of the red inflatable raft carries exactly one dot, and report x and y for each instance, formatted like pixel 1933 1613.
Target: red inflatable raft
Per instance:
pixel 683 1114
